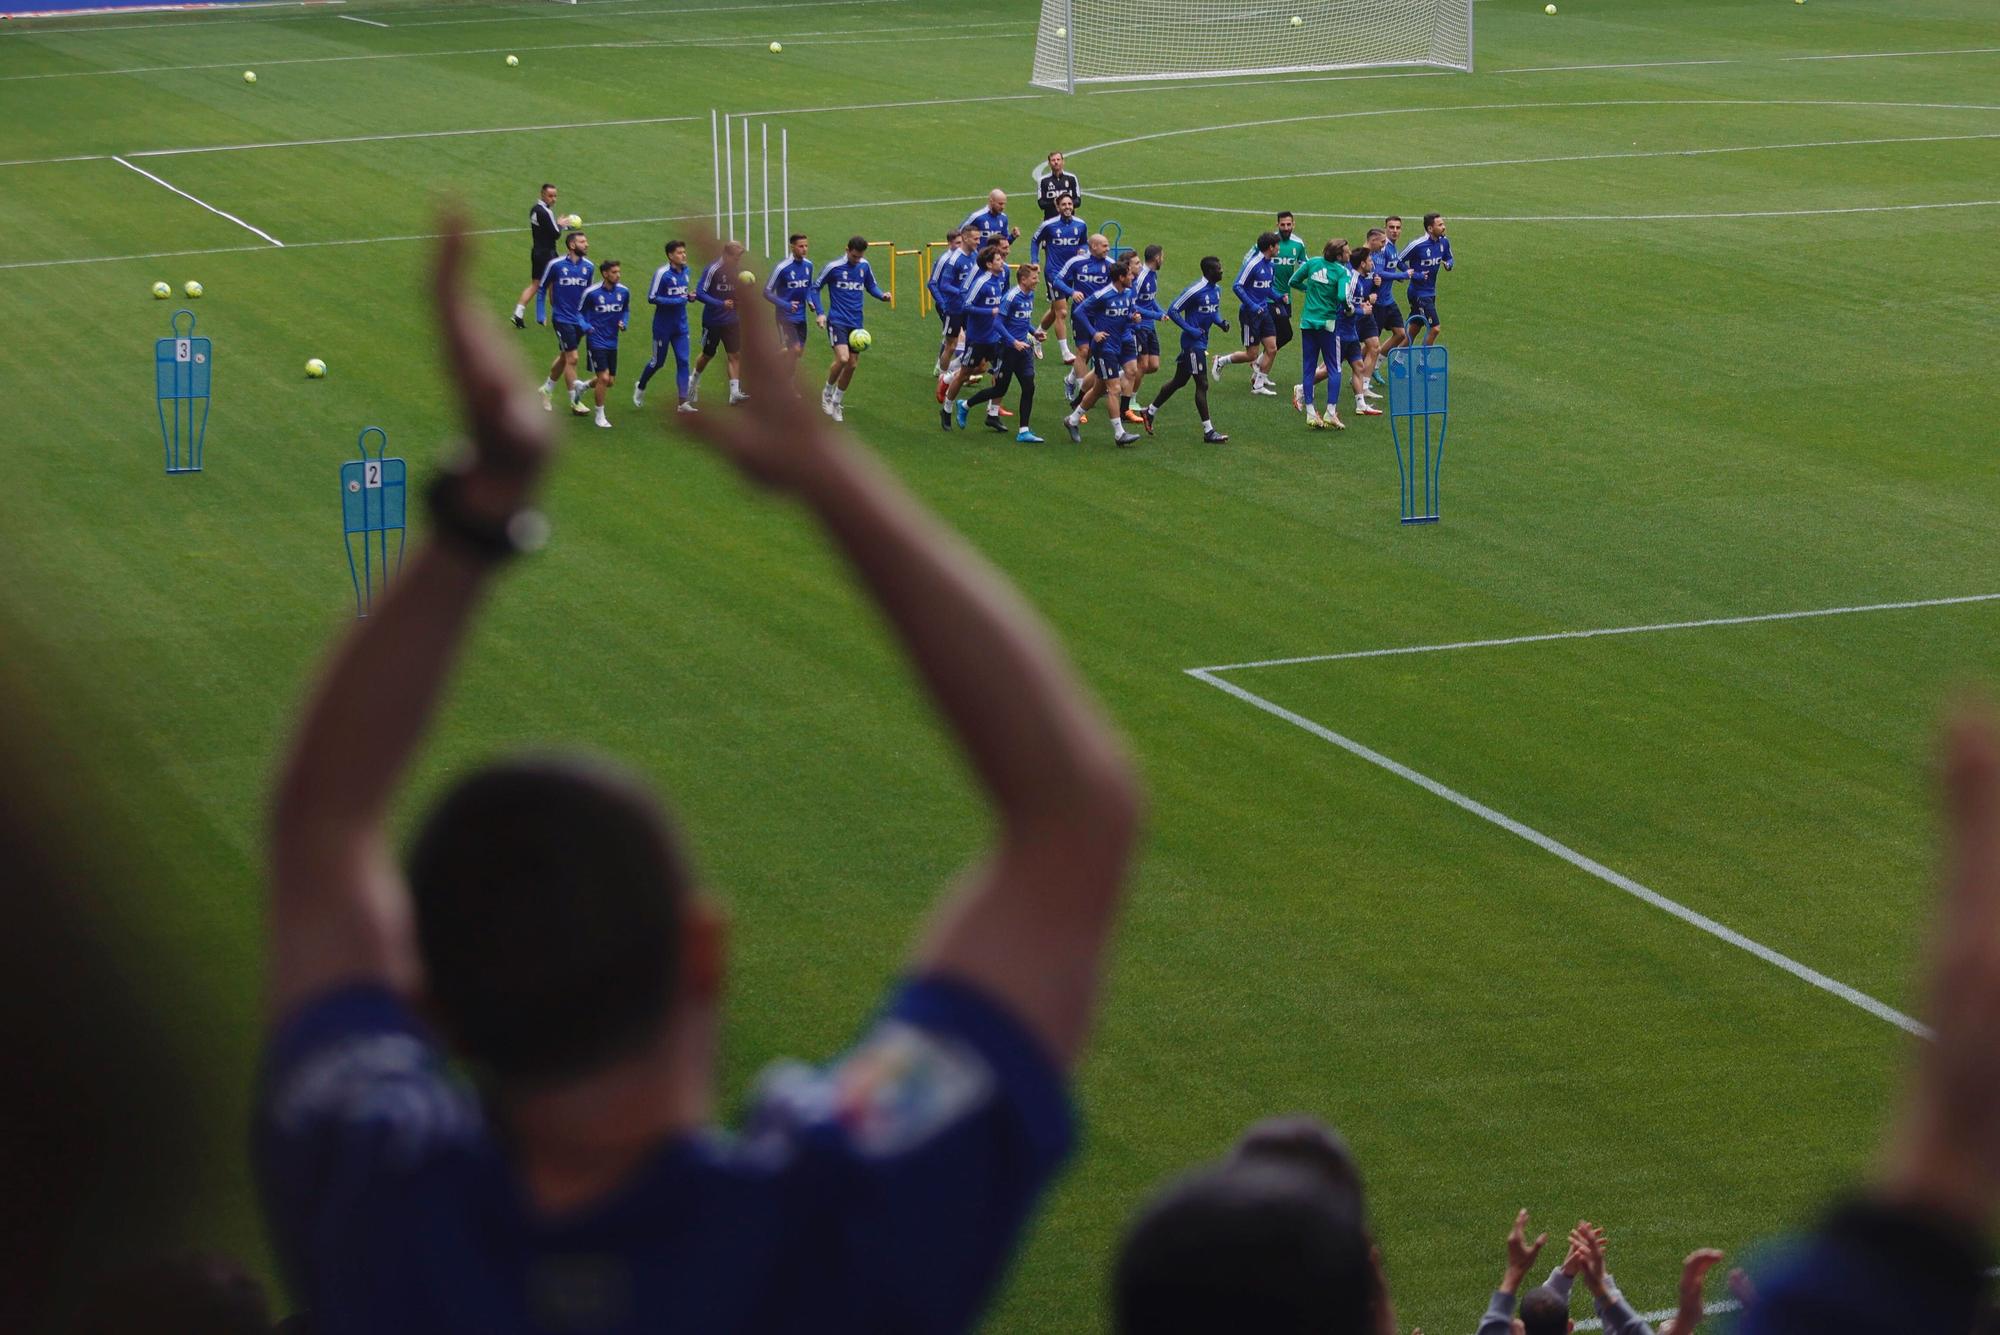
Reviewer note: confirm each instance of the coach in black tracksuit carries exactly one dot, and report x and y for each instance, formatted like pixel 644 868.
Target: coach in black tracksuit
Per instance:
pixel 1057 184
pixel 547 235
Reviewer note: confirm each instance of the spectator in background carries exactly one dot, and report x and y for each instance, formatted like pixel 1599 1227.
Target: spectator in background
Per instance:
pixel 1909 1254
pixel 1272 1239
pixel 1545 1310
pixel 547 930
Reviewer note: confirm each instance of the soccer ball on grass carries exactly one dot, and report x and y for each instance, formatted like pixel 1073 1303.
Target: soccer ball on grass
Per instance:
pixel 161 291
pixel 192 288
pixel 315 369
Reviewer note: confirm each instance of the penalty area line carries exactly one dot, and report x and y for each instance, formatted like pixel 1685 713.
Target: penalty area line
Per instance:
pixel 1615 879
pixel 256 231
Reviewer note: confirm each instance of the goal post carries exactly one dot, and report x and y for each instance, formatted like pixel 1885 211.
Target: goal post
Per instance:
pixel 1126 41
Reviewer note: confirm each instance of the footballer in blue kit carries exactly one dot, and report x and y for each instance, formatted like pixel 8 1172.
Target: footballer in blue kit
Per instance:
pixel 606 311
pixel 720 327
pixel 1425 260
pixel 1020 346
pixel 1146 335
pixel 848 285
pixel 983 337
pixel 1105 324
pixel 990 223
pixel 1080 276
pixel 950 276
pixel 792 291
pixel 1194 312
pixel 1055 243
pixel 669 295
pixel 1259 322
pixel 565 281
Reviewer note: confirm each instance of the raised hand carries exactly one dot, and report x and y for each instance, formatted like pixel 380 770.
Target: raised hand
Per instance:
pixel 1521 1253
pixel 1588 1240
pixel 510 438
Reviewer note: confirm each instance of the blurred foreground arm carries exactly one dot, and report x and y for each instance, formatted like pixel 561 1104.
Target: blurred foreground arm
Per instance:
pixel 338 909
pixel 1029 926
pixel 1911 1257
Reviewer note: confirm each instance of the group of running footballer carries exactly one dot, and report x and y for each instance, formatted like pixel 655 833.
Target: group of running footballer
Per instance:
pixel 1339 306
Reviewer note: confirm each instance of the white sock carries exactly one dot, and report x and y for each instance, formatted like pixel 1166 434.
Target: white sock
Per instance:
pixel 839 395
pixel 520 311
pixel 734 387
pixel 600 415
pixel 1207 425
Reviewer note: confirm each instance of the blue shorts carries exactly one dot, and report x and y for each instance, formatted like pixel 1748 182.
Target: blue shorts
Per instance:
pixel 728 337
pixel 989 353
pixel 1109 357
pixel 1017 362
pixel 1193 362
pixel 1351 349
pixel 1257 325
pixel 1388 315
pixel 1427 307
pixel 954 323
pixel 604 359
pixel 791 335
pixel 1365 328
pixel 1147 339
pixel 568 336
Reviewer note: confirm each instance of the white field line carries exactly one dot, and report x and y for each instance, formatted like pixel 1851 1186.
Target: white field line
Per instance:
pixel 258 231
pixel 1622 65
pixel 1884 55
pixel 413 134
pixel 19 28
pixel 352 19
pixel 1580 217
pixel 1596 104
pixel 1753 619
pixel 531 17
pixel 834 37
pixel 1617 880
pixel 1532 162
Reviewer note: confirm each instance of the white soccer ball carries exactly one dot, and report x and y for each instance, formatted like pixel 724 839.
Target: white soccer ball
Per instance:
pixel 249 76
pixel 1062 32
pixel 1548 9
pixel 860 340
pixel 315 369
pixel 513 60
pixel 776 47
pixel 1298 22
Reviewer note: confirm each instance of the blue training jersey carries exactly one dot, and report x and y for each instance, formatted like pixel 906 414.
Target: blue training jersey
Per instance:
pixel 1424 260
pixel 1343 318
pixel 1017 315
pixel 717 285
pixel 790 288
pixel 883 1192
pixel 950 276
pixel 982 307
pixel 1146 297
pixel 1107 310
pixel 849 283
pixel 1253 281
pixel 991 226
pixel 1083 275
pixel 1389 268
pixel 566 281
pixel 1196 310
pixel 669 295
pixel 605 311
pixel 1058 241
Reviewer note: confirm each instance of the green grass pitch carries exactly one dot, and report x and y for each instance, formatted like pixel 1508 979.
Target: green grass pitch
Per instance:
pixel 1722 323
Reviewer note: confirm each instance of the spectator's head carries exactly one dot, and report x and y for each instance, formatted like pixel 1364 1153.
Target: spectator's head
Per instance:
pixel 553 912
pixel 1254 1244
pixel 1308 1143
pixel 1543 1311
pixel 192 1295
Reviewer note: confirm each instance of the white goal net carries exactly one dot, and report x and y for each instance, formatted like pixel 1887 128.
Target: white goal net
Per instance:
pixel 1118 41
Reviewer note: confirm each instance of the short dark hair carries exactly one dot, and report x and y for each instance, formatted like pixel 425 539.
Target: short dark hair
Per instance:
pixel 549 892
pixel 1211 268
pixel 674 245
pixel 953 234
pixel 609 264
pixel 1306 1142
pixel 1065 195
pixel 988 254
pixel 547 185
pixel 1265 240
pixel 1252 1245
pixel 1394 217
pixel 1544 1311
pixel 1374 232
pixel 1430 218
pixel 857 243
pixel 572 235
pixel 1154 252
pixel 795 238
pixel 1359 255
pixel 1287 213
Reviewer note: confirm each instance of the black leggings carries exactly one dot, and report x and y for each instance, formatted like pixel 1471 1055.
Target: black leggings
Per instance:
pixel 1000 387
pixel 1181 376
